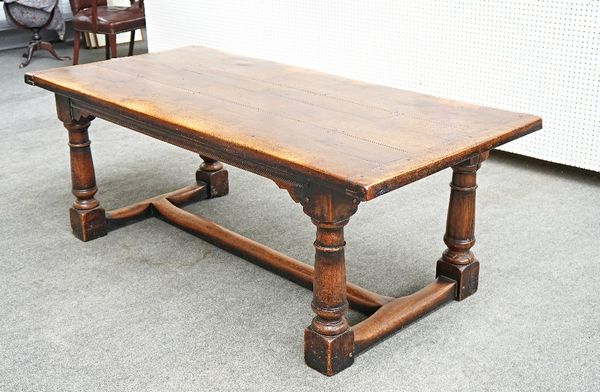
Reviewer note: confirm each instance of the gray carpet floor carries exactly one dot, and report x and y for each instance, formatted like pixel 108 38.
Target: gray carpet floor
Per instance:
pixel 152 308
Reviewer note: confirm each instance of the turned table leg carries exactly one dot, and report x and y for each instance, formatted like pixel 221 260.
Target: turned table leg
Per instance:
pixel 329 340
pixel 458 262
pixel 212 173
pixel 88 219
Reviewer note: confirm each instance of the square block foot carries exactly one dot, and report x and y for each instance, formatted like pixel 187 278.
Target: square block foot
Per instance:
pixel 217 182
pixel 466 276
pixel 328 354
pixel 88 224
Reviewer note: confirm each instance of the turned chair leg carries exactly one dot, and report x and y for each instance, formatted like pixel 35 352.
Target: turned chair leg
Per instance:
pixel 131 43
pixel 76 46
pixel 106 47
pixel 47 46
pixel 36 44
pixel 458 261
pixel 112 41
pixel 212 173
pixel 31 48
pixel 329 340
pixel 88 219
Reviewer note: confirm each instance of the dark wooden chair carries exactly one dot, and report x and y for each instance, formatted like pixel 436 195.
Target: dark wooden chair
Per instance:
pixel 95 16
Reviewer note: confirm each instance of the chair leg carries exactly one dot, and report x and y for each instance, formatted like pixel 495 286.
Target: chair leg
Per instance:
pixel 131 43
pixel 47 46
pixel 32 47
pixel 76 45
pixel 112 38
pixel 106 47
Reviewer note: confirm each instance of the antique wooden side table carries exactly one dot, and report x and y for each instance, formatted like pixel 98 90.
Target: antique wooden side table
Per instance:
pixel 330 142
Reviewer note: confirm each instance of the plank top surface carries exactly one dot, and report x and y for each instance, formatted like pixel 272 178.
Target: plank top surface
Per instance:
pixel 359 137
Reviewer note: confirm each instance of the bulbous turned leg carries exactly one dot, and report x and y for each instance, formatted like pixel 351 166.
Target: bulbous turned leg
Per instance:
pixel 212 173
pixel 88 219
pixel 458 262
pixel 329 340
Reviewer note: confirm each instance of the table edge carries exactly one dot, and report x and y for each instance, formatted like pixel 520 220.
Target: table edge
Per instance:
pixel 263 164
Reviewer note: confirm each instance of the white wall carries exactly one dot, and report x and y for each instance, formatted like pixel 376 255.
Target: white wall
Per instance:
pixel 540 57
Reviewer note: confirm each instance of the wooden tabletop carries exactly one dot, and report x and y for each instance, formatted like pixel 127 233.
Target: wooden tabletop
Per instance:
pixel 287 122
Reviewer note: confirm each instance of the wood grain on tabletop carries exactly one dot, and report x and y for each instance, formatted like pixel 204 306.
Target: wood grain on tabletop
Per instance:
pixel 364 138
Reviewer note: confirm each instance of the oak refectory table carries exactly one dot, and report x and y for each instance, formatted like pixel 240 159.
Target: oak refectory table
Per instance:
pixel 330 142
